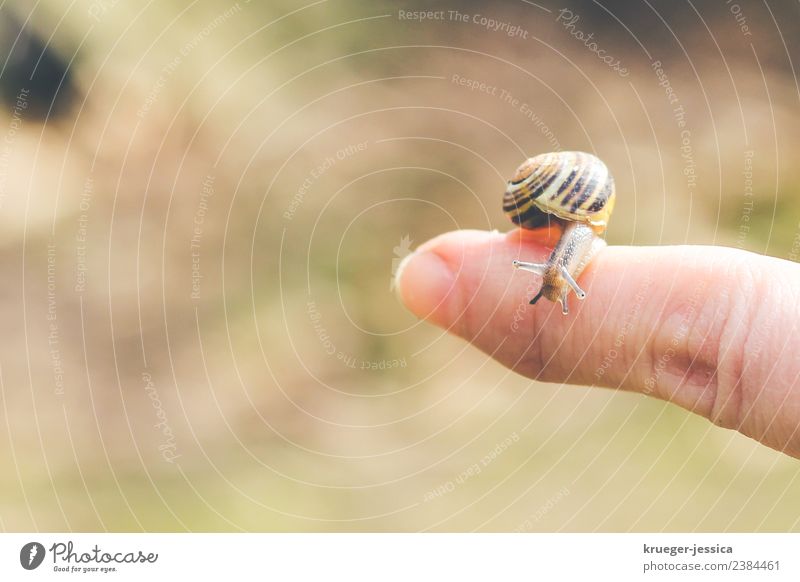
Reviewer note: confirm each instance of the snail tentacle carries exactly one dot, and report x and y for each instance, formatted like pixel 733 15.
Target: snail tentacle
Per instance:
pixel 535 268
pixel 564 302
pixel 572 283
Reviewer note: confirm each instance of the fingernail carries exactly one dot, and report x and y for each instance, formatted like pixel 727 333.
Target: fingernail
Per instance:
pixel 423 282
pixel 398 275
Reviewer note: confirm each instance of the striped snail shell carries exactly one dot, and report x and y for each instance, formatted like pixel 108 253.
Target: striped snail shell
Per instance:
pixel 574 190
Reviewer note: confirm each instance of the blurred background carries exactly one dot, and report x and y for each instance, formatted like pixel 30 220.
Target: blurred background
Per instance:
pixel 202 208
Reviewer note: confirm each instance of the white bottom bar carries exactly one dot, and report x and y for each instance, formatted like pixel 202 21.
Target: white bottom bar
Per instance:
pixel 378 557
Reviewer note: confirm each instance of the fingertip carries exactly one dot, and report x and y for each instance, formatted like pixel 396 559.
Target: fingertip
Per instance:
pixel 424 281
pixel 452 245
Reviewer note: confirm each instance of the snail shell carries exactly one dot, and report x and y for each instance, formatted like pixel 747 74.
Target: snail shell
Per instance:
pixel 575 190
pixel 572 186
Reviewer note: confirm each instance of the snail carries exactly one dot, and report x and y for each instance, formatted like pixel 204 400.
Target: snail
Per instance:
pixel 574 190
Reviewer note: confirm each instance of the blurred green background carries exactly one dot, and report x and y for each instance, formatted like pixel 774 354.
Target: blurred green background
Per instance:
pixel 202 206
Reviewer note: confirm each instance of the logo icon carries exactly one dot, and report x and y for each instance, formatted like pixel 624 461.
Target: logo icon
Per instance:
pixel 401 251
pixel 31 555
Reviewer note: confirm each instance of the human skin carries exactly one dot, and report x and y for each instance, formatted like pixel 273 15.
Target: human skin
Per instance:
pixel 711 329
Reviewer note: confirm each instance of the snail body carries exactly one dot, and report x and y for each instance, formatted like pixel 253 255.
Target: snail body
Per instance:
pixel 576 191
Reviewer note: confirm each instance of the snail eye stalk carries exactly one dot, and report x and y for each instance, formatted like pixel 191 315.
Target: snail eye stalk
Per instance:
pixel 571 282
pixel 535 268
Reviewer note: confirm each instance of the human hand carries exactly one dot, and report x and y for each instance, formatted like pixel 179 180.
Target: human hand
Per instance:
pixel 714 330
